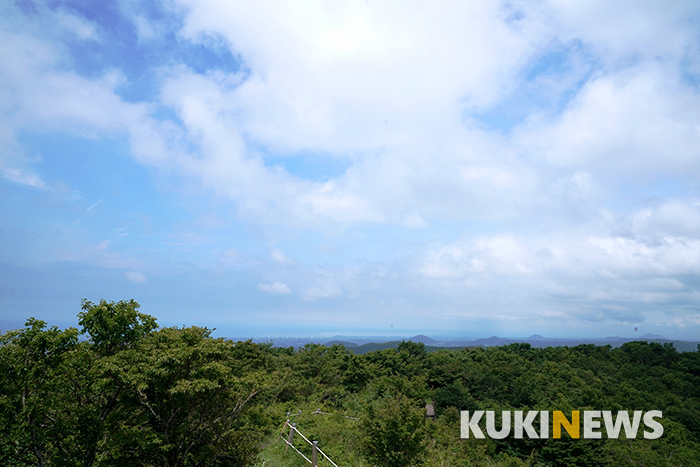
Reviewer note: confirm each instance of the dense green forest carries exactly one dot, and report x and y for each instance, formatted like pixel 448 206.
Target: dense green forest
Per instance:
pixel 121 391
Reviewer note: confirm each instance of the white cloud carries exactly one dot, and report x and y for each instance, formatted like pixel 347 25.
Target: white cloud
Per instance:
pixel 144 29
pixel 41 93
pixel 356 80
pixel 399 90
pixel 640 122
pixel 355 57
pixel 406 93
pixel 19 176
pixel 673 217
pixel 278 256
pixel 76 24
pixel 275 288
pixel 594 268
pixel 134 276
pixel 618 31
pixel 395 88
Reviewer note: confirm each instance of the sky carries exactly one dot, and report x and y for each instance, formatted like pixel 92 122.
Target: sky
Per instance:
pixel 319 168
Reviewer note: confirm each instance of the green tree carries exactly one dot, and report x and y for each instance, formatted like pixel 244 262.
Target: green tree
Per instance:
pixel 31 392
pixel 183 402
pixel 114 326
pixel 393 430
pixel 354 372
pixel 454 395
pixel 674 449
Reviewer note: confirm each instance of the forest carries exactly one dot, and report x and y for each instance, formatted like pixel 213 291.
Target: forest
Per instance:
pixel 119 390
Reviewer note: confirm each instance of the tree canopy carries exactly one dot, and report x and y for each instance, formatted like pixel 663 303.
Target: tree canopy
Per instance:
pixel 137 394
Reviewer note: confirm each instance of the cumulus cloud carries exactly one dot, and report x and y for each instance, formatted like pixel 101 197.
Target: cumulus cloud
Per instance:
pixel 603 273
pixel 514 153
pixel 670 218
pixel 640 122
pixel 42 93
pixel 344 80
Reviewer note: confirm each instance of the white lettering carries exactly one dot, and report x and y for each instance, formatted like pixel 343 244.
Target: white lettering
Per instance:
pixel 653 424
pixel 491 424
pixel 519 424
pixel 544 424
pixel 589 424
pixel 472 424
pixel 623 419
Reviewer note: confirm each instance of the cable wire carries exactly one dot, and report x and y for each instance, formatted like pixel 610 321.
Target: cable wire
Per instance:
pixel 302 455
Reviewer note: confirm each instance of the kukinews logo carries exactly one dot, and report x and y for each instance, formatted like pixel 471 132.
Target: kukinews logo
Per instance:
pixel 592 424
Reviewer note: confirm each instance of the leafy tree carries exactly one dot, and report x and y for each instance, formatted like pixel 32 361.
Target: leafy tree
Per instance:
pixel 31 389
pixel 412 350
pixel 393 432
pixel 454 395
pixel 354 372
pixel 183 403
pixel 137 395
pixel 674 449
pixel 444 367
pixel 114 326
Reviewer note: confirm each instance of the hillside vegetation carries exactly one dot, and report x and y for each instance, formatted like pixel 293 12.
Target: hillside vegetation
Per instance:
pixel 133 394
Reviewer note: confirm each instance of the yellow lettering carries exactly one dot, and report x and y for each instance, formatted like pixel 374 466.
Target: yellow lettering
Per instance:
pixel 559 420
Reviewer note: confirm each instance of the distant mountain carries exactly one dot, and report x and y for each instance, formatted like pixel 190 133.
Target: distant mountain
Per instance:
pixel 653 336
pixel 423 339
pixel 363 344
pixel 343 343
pixel 493 340
pixel 364 348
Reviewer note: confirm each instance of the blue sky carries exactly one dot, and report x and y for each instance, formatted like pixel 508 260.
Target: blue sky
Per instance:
pixel 359 168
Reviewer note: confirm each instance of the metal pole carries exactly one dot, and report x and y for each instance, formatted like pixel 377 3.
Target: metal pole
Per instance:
pixel 314 454
pixel 291 436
